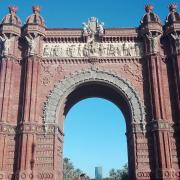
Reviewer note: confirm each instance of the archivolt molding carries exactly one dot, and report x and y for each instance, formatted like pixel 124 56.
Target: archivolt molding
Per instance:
pixel 64 87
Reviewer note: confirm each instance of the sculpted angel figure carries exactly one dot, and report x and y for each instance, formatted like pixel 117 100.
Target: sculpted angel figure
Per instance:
pixel 91 38
pixel 176 37
pixel 154 42
pixel 4 45
pixel 85 28
pixel 31 44
pixel 101 28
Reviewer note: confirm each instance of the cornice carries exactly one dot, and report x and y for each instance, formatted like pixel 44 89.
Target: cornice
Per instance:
pixel 77 32
pixel 89 60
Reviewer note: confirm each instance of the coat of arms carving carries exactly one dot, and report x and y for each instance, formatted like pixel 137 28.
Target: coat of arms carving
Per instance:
pixel 93 27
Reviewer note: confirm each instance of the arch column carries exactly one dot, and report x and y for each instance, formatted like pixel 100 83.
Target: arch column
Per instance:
pixel 10 72
pixel 159 125
pixel 32 35
pixel 172 36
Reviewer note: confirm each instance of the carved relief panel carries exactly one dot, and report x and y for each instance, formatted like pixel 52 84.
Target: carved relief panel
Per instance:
pixel 92 48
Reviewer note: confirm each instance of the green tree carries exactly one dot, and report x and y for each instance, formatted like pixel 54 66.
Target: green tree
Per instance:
pixel 112 173
pixel 119 174
pixel 68 169
pixel 124 172
pixel 69 172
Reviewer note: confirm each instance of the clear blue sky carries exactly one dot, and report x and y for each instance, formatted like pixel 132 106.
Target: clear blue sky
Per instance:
pixel 95 136
pixel 94 128
pixel 71 13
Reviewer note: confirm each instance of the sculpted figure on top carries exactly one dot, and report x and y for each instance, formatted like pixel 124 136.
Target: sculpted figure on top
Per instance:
pixel 151 29
pixel 172 28
pixel 10 31
pixel 93 27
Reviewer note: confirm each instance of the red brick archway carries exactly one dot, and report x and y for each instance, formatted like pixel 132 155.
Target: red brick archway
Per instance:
pixel 99 83
pixel 43 72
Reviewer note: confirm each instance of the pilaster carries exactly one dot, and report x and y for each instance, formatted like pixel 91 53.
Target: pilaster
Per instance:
pixel 32 34
pixel 172 35
pixel 151 30
pixel 10 72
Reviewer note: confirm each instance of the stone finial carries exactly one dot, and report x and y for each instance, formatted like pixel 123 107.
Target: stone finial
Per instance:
pixel 150 16
pixel 173 16
pixel 173 7
pixel 36 18
pixel 12 9
pixel 149 8
pixel 36 9
pixel 12 18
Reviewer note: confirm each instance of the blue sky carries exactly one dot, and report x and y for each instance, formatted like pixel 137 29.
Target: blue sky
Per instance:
pixel 95 136
pixel 71 13
pixel 94 128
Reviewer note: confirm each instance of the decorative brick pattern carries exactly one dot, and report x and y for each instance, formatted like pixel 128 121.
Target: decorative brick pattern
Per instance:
pixel 44 71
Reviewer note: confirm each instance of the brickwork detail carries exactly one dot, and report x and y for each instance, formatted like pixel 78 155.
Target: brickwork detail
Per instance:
pixel 44 152
pixel 42 68
pixel 64 88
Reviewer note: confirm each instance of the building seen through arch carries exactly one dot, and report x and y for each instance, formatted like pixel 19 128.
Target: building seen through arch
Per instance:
pixel 44 71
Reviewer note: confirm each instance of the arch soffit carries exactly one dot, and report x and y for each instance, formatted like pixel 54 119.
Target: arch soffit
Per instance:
pixel 64 87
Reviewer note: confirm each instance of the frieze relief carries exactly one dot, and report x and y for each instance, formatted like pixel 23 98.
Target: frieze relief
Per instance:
pixel 91 49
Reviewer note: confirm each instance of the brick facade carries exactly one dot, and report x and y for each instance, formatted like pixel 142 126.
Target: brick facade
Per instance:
pixel 38 85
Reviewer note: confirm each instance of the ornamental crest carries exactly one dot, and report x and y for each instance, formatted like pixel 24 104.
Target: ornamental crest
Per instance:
pixel 93 27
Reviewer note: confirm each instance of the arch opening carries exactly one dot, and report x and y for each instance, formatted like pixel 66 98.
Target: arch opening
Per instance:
pixel 99 90
pixel 95 136
pixel 130 103
pixel 95 82
pixel 108 92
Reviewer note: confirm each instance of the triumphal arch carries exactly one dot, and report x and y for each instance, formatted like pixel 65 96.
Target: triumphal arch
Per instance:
pixel 45 71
